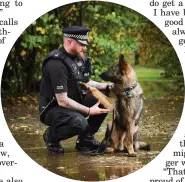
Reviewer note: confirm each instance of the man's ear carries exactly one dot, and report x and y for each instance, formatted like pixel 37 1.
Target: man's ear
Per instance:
pixel 69 41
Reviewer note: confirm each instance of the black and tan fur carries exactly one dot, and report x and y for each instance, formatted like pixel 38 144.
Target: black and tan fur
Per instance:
pixel 128 109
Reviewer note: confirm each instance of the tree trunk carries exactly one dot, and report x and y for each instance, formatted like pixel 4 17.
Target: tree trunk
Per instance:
pixel 136 58
pixel 82 14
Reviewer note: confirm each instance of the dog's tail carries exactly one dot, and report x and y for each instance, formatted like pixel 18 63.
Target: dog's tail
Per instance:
pixel 144 146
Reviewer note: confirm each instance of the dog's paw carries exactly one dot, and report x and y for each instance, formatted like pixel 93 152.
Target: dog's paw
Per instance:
pixel 132 155
pixel 109 150
pixel 121 151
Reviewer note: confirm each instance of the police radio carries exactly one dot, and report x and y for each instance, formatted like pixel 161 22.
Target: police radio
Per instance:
pixel 88 62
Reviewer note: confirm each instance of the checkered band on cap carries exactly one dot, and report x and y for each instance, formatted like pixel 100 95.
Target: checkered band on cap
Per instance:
pixel 77 36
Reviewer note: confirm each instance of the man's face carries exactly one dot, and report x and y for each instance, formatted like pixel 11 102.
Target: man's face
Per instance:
pixel 78 48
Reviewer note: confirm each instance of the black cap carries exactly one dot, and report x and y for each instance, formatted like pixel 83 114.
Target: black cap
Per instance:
pixel 78 33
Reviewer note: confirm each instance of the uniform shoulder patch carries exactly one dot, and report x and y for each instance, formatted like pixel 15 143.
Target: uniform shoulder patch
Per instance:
pixel 60 87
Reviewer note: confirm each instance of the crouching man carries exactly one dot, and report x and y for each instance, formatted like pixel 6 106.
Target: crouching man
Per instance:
pixel 62 105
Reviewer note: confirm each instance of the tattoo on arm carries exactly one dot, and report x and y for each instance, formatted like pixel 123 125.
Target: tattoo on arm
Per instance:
pixel 98 85
pixel 64 101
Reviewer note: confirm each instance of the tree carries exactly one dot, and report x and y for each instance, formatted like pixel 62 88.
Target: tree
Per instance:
pixel 115 29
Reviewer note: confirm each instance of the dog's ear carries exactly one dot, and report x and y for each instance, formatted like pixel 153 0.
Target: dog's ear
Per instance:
pixel 121 58
pixel 121 62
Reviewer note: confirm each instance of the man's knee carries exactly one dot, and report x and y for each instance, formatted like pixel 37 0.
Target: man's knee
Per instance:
pixel 81 123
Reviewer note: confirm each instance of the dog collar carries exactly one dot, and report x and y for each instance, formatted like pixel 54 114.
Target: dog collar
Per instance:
pixel 128 89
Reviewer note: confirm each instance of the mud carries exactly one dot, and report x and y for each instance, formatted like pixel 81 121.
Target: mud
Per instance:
pixel 159 122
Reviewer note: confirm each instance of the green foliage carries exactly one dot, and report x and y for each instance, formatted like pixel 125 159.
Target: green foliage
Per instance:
pixel 171 64
pixel 114 29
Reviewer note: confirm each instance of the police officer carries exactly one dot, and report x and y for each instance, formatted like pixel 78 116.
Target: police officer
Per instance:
pixel 62 105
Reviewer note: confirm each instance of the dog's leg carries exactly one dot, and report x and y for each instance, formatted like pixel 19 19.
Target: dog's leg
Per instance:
pixel 137 122
pixel 129 140
pixel 139 112
pixel 136 138
pixel 111 139
pixel 104 100
pixel 117 139
pixel 110 150
pixel 106 140
pixel 136 142
pixel 121 142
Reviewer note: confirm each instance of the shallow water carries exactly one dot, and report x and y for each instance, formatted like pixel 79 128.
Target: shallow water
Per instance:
pixel 159 121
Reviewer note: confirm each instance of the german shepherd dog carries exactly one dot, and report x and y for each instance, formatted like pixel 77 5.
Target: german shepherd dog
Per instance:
pixel 123 133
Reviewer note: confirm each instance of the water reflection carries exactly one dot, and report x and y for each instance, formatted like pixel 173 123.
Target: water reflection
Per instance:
pixel 158 125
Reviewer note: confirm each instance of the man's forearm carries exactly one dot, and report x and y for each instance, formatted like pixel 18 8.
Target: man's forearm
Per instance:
pixel 98 85
pixel 65 101
pixel 71 104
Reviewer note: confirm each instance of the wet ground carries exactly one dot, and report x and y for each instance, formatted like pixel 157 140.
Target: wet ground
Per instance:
pixel 159 122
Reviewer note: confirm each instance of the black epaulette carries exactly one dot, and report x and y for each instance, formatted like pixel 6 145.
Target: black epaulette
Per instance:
pixel 55 54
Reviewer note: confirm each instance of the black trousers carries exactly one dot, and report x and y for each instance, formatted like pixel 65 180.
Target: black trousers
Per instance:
pixel 64 123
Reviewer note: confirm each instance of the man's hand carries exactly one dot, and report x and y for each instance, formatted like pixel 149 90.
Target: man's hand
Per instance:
pixel 66 102
pixel 95 110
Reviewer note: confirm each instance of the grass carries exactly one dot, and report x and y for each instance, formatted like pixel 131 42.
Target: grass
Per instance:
pixel 152 74
pixel 154 85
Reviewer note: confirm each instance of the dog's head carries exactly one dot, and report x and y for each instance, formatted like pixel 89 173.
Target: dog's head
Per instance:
pixel 116 73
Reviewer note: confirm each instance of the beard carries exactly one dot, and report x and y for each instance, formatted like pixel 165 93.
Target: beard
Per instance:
pixel 77 52
pixel 81 55
pixel 74 51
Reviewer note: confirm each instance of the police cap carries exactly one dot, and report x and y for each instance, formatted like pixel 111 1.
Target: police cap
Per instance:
pixel 78 33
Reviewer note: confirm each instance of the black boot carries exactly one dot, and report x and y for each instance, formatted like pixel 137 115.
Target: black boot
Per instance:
pixel 87 143
pixel 52 146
